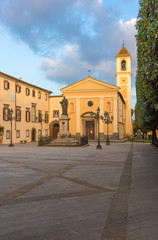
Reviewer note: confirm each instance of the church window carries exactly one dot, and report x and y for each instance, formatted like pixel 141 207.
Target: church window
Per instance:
pixel 123 65
pixel 108 107
pixel 71 108
pixel 90 104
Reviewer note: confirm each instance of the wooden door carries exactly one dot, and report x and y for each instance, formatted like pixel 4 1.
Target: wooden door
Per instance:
pixel 55 130
pixel 90 129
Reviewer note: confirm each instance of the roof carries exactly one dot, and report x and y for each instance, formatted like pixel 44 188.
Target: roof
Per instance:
pixel 123 52
pixel 21 81
pixel 72 86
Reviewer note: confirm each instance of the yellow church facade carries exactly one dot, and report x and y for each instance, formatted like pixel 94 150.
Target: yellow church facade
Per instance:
pixel 31 103
pixel 86 95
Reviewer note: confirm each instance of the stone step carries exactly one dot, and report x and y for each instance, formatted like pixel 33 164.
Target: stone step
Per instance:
pixel 65 140
pixel 70 142
pixel 57 144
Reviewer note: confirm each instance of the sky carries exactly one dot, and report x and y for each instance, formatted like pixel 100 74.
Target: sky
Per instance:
pixel 53 43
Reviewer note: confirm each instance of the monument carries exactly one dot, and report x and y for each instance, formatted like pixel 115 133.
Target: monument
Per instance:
pixel 64 120
pixel 64 136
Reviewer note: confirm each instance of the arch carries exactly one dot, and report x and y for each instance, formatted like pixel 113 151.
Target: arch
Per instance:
pixel 33 134
pixel 71 108
pixel 108 107
pixel 87 114
pixel 123 65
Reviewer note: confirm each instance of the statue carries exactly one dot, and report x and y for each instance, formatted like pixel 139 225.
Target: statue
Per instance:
pixel 64 105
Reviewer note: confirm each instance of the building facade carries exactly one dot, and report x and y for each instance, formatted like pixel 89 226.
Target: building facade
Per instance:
pixel 30 105
pixel 36 112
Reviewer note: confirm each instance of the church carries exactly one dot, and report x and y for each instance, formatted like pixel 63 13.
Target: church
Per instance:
pixel 86 95
pixel 36 112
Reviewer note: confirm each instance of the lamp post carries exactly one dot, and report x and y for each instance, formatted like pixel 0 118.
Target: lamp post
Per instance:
pixel 97 117
pixel 10 119
pixel 107 119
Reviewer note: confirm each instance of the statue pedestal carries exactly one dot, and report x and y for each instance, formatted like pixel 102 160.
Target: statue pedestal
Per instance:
pixel 64 127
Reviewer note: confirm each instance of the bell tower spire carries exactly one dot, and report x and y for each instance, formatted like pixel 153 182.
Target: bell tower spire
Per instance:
pixel 123 80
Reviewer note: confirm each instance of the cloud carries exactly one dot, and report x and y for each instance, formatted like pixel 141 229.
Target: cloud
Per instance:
pixel 70 36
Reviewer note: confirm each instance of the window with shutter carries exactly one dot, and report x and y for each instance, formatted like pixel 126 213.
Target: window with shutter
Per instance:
pixel 27 114
pixel 18 114
pixel 33 93
pixel 6 112
pixel 27 91
pixel 18 88
pixel 6 85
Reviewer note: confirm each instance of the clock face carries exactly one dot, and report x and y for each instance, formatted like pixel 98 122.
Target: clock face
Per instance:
pixel 90 103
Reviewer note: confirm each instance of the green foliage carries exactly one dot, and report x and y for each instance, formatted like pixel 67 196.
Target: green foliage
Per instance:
pixel 138 140
pixel 147 68
pixel 1 129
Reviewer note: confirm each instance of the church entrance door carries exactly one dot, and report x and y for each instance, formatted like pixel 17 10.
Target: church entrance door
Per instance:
pixel 55 130
pixel 90 129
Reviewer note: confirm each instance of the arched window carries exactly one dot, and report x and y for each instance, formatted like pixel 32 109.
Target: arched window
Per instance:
pixel 108 107
pixel 71 108
pixel 123 65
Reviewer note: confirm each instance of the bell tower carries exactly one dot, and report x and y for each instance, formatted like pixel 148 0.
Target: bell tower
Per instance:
pixel 123 80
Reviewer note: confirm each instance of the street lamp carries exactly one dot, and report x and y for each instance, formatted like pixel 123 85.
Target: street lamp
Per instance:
pixel 97 117
pixel 10 118
pixel 107 119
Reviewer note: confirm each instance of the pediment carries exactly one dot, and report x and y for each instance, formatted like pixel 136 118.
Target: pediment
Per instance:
pixel 89 84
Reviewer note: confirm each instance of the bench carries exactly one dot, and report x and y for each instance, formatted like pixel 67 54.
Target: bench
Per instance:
pixel 23 141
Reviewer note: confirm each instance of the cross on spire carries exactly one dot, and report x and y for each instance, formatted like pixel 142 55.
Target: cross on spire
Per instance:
pixel 123 43
pixel 89 71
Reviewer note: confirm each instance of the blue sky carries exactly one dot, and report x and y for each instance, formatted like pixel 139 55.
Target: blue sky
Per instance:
pixel 53 43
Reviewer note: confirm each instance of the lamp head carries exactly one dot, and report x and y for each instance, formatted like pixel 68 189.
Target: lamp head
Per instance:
pixel 98 110
pixel 106 114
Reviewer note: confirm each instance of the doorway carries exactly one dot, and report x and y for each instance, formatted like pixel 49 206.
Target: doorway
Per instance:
pixel 55 130
pixel 90 129
pixel 33 134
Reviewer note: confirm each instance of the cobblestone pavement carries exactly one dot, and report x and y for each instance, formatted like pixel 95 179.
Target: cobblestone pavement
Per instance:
pixel 79 193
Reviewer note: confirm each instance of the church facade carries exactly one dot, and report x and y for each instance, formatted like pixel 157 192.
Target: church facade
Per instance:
pixel 31 104
pixel 86 95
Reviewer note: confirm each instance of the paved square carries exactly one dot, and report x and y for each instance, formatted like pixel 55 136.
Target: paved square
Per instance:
pixel 77 193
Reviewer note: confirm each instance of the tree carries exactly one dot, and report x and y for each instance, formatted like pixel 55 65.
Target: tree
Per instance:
pixel 147 68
